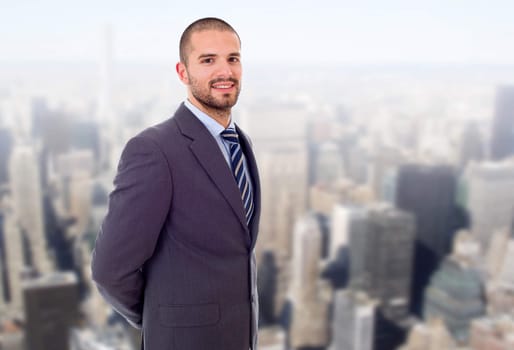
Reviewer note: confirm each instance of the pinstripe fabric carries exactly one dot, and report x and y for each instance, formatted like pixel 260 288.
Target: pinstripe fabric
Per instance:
pixel 236 158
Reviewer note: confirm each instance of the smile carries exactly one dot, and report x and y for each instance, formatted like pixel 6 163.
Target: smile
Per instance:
pixel 223 85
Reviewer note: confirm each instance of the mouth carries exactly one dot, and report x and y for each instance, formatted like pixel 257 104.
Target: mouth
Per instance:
pixel 224 86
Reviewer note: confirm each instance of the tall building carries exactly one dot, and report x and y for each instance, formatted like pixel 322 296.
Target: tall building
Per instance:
pixel 327 165
pixel 74 178
pixel 85 135
pixel 380 265
pixel 381 259
pixel 384 162
pixel 309 296
pixel 471 145
pixel 28 204
pixel 13 260
pixel 502 138
pixel 96 309
pixel 110 132
pixel 5 151
pixel 51 310
pixel 500 284
pixel 456 295
pixel 490 197
pixel 284 196
pixel 357 165
pixel 105 110
pixel 281 150
pixel 428 192
pixel 353 321
pixel 267 285
pixel 345 220
pixel 3 263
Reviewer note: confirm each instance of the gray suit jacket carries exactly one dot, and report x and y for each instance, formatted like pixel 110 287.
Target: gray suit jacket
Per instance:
pixel 174 255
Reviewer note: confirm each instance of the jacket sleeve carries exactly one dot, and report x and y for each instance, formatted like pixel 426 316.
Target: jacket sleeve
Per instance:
pixel 138 207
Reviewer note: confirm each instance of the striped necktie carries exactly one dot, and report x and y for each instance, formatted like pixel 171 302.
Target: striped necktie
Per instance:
pixel 238 169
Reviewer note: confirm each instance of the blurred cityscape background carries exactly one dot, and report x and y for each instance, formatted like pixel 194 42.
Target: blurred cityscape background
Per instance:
pixel 385 140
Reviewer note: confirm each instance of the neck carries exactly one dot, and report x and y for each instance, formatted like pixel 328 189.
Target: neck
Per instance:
pixel 220 115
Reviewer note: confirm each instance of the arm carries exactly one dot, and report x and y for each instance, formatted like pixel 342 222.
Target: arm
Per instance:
pixel 138 207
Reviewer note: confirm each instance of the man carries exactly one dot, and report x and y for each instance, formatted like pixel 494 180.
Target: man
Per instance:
pixel 175 254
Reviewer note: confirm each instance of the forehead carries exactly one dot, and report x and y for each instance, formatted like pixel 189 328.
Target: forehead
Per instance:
pixel 214 41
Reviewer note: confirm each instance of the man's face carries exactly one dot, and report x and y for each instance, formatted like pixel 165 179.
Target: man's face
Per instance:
pixel 213 70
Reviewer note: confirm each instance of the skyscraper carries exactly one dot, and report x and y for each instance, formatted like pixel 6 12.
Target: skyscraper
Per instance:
pixel 345 220
pixel 327 165
pixel 471 145
pixel 506 275
pixel 13 260
pixel 74 176
pixel 384 162
pixel 3 269
pixel 496 253
pixel 109 133
pixel 5 152
pixel 282 155
pixel 381 260
pixel 502 138
pixel 267 285
pixel 51 309
pixel 490 197
pixel 353 321
pixel 28 203
pixel 380 265
pixel 500 282
pixel 428 192
pixel 309 296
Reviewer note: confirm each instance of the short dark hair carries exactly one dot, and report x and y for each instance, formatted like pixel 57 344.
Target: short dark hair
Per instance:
pixel 207 23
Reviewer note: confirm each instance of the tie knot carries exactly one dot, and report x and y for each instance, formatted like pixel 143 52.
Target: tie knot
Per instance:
pixel 230 135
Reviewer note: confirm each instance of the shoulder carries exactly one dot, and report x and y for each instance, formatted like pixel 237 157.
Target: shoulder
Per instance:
pixel 147 144
pixel 169 129
pixel 159 133
pixel 170 137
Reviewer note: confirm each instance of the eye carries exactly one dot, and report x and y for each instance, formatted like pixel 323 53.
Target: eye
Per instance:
pixel 234 59
pixel 207 60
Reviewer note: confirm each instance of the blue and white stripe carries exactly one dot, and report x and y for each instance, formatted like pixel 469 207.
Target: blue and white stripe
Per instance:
pixel 237 162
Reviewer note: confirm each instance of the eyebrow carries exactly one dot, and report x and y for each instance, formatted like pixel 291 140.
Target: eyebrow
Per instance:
pixel 209 55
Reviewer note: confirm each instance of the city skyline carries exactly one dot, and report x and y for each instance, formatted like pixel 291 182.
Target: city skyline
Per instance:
pixel 322 156
pixel 358 162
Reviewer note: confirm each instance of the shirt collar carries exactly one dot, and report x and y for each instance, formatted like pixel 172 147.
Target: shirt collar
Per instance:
pixel 213 126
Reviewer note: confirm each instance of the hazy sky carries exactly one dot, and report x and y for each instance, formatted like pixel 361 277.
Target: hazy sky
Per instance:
pixel 297 32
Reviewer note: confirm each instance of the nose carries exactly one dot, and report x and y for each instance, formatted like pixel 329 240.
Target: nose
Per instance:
pixel 224 70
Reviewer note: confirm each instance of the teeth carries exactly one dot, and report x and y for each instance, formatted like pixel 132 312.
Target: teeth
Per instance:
pixel 222 86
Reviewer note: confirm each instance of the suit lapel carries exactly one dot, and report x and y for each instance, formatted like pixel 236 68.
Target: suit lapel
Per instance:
pixel 208 154
pixel 254 173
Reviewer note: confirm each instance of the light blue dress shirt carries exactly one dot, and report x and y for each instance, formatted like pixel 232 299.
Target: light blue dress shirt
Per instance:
pixel 215 129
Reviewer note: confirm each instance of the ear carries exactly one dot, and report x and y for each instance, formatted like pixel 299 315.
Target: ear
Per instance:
pixel 182 72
